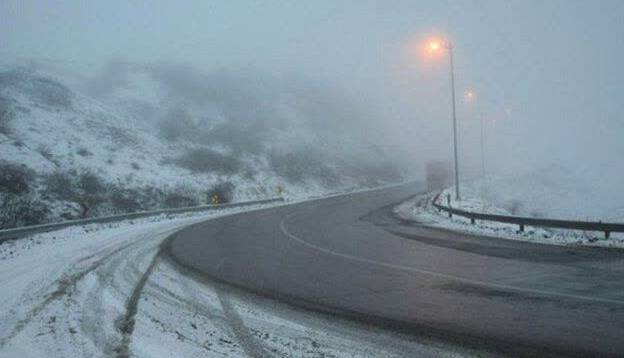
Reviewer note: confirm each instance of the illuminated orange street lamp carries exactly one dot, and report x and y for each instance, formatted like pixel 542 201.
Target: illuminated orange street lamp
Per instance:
pixel 436 46
pixel 470 96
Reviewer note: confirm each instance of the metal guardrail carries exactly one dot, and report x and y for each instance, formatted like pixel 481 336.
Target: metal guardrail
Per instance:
pixel 19 232
pixel 607 228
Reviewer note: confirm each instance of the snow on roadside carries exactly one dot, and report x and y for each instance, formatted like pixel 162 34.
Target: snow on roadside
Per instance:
pixel 74 235
pixel 63 292
pixel 66 293
pixel 420 210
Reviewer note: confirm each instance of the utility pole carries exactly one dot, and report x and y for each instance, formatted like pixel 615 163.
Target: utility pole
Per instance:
pixel 450 51
pixel 435 47
pixel 482 148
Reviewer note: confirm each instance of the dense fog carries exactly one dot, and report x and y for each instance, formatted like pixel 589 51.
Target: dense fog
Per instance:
pixel 342 89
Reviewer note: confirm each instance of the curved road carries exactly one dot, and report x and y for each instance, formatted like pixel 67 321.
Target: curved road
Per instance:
pixel 350 256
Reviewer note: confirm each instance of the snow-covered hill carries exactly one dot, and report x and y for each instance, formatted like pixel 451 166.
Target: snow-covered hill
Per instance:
pixel 142 137
pixel 556 191
pixel 553 192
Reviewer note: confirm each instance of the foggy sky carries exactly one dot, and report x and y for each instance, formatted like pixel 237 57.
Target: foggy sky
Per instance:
pixel 547 72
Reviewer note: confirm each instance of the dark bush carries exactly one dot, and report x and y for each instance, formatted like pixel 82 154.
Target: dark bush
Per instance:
pixel 152 197
pixel 91 184
pixel 84 152
pixel 7 114
pixel 135 166
pixel 223 191
pixel 61 185
pixel 179 198
pixel 126 200
pixel 14 178
pixel 21 210
pixel 208 161
pixel 93 191
pixel 86 189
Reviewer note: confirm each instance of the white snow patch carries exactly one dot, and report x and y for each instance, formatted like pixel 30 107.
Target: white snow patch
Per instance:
pixel 64 294
pixel 420 209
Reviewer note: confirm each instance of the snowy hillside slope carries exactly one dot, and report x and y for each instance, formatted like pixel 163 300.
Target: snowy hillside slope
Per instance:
pixel 578 193
pixel 584 192
pixel 554 192
pixel 74 150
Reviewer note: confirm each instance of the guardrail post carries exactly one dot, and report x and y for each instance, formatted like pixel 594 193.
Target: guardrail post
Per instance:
pixel 607 234
pixel 521 227
pixel 472 220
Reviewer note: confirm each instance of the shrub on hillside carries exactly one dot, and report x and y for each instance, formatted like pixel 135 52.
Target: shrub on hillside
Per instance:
pixel 7 114
pixel 86 188
pixel 61 185
pixel 84 152
pixel 92 191
pixel 91 184
pixel 126 200
pixel 17 204
pixel 21 210
pixel 180 197
pixel 14 178
pixel 224 192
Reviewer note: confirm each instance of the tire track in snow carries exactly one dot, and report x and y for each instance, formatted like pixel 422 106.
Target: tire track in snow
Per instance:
pixel 69 280
pixel 127 322
pixel 251 346
pixel 246 339
pixel 64 284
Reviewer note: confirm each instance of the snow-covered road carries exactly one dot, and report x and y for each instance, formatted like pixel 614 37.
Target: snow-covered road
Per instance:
pixel 104 290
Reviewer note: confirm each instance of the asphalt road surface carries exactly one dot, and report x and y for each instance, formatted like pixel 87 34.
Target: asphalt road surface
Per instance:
pixel 349 255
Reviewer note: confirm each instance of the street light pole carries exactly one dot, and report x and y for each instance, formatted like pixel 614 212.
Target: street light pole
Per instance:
pixel 482 148
pixel 435 47
pixel 450 51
